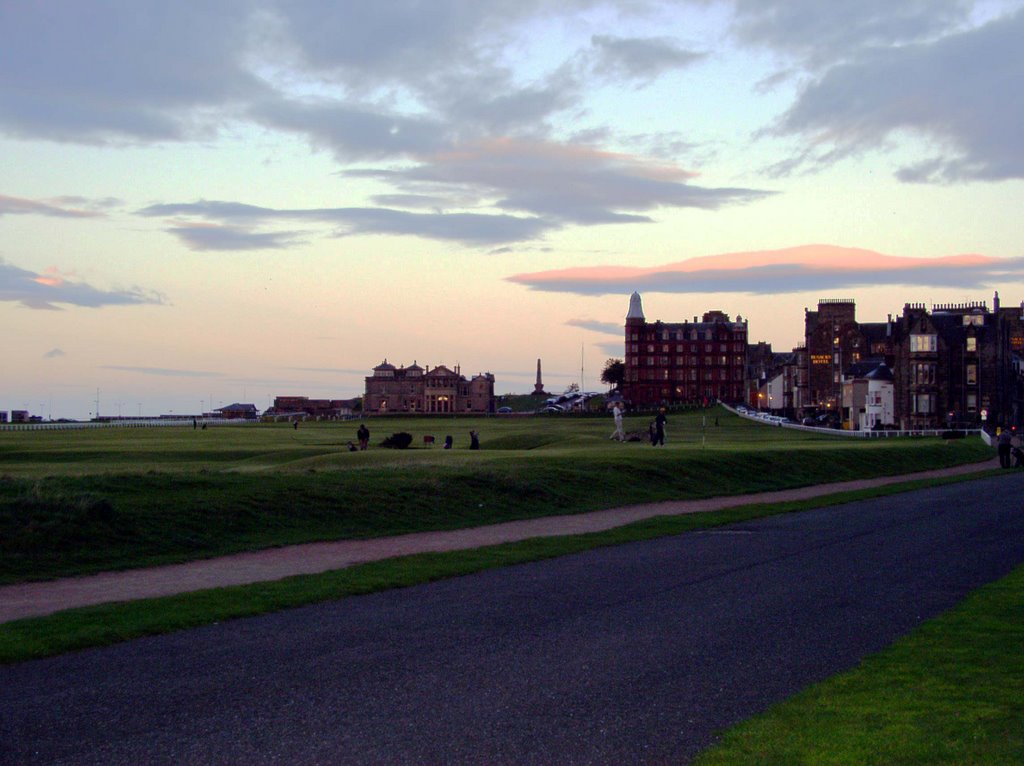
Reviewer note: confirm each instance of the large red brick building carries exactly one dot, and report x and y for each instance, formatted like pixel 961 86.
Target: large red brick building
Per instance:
pixel 684 362
pixel 414 389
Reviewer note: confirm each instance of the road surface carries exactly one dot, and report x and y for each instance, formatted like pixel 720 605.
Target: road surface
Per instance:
pixel 633 654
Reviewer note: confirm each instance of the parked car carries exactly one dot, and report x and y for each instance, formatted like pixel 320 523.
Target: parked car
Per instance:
pixel 504 410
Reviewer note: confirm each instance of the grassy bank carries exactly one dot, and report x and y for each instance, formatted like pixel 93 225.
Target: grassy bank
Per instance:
pixel 86 501
pixel 112 623
pixel 952 692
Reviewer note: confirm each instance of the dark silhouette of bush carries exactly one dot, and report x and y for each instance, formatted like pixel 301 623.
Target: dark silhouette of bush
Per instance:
pixel 401 440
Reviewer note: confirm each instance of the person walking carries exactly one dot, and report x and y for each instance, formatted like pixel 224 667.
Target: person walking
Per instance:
pixel 619 435
pixel 1004 444
pixel 474 440
pixel 659 428
pixel 363 435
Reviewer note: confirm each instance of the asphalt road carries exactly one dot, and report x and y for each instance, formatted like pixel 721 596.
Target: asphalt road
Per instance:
pixel 634 654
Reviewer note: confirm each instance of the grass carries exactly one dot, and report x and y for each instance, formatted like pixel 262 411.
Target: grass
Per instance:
pixel 77 502
pixel 72 629
pixel 951 692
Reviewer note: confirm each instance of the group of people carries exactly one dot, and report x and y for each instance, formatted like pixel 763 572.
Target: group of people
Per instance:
pixel 363 437
pixel 656 429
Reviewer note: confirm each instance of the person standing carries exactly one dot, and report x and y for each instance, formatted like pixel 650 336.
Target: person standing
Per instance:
pixel 363 435
pixel 659 428
pixel 474 440
pixel 619 434
pixel 1004 446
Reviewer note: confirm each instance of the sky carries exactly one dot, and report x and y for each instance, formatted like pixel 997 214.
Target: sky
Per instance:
pixel 224 201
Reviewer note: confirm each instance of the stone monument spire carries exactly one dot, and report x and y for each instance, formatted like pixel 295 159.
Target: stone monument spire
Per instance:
pixel 538 387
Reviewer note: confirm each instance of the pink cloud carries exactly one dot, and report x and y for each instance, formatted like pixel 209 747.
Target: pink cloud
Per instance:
pixel 20 206
pixel 793 269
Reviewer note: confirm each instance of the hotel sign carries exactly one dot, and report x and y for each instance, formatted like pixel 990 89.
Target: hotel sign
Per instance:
pixel 821 359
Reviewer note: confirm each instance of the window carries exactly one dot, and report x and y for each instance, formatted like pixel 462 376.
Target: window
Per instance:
pixel 972 402
pixel 978 320
pixel 972 345
pixel 924 404
pixel 923 344
pixel 972 374
pixel 923 373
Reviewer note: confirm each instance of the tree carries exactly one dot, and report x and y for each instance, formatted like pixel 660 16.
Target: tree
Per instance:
pixel 614 373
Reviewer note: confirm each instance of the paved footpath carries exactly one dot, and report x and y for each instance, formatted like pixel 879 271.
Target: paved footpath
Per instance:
pixel 42 598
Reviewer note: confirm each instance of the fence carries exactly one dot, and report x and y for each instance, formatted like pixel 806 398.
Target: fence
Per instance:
pixel 126 423
pixel 885 434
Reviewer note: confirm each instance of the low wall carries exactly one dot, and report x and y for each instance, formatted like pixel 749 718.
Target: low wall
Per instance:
pixel 867 434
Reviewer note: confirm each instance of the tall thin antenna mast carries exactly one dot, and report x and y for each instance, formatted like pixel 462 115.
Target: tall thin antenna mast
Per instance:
pixel 582 387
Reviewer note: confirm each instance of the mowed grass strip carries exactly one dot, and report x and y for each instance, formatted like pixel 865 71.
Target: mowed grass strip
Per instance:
pixel 79 502
pixel 106 624
pixel 951 692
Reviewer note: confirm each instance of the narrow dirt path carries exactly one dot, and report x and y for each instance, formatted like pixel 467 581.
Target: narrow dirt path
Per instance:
pixel 42 598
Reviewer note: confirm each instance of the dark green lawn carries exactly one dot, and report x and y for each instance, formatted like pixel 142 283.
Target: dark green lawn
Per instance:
pixel 83 501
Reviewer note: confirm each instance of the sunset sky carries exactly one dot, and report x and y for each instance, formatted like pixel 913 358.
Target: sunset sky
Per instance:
pixel 214 202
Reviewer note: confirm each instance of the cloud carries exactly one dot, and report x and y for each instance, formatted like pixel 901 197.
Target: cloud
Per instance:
pixel 54 353
pixel 206 236
pixel 538 186
pixel 331 370
pixel 45 290
pixel 170 72
pixel 791 270
pixel 566 183
pixel 466 228
pixel 819 36
pixel 115 72
pixel 161 371
pixel 53 208
pixel 607 328
pixel 353 132
pixel 961 92
pixel 640 59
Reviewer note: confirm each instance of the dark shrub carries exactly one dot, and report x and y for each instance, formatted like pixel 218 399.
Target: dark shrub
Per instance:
pixel 401 440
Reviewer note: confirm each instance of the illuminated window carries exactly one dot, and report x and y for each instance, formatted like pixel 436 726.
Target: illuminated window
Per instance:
pixel 972 345
pixel 972 374
pixel 924 373
pixel 923 344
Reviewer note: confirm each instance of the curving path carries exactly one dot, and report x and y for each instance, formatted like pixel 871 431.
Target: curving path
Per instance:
pixel 632 654
pixel 41 598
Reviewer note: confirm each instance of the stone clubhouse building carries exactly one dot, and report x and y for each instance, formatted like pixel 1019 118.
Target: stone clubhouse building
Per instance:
pixel 419 390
